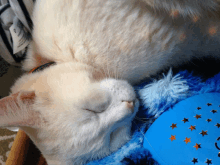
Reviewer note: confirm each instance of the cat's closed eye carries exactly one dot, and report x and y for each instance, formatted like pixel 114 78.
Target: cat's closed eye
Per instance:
pixel 97 102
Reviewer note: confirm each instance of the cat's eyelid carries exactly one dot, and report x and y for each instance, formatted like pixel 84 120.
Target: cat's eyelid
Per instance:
pixel 94 111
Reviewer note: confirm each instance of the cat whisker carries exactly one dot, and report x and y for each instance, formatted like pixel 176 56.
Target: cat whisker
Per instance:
pixel 108 61
pixel 116 71
pixel 105 73
pixel 145 138
pixel 140 130
pixel 108 69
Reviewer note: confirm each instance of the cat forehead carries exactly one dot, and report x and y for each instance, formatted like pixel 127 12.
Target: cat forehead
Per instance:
pixel 67 75
pixel 69 84
pixel 58 78
pixel 67 81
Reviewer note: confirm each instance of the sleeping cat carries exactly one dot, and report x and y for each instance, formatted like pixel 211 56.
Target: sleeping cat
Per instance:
pixel 81 108
pixel 71 114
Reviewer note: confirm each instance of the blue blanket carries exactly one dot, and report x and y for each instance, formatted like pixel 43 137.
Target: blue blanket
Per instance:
pixel 157 97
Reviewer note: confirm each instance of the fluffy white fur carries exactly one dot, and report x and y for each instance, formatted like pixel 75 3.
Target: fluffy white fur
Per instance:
pixel 128 38
pixel 78 109
pixel 71 117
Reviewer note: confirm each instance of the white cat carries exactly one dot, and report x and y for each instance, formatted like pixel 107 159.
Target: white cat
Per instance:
pixel 70 116
pixel 78 109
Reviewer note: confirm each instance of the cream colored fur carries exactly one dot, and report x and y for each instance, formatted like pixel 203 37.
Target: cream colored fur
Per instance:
pixel 128 38
pixel 78 109
pixel 69 115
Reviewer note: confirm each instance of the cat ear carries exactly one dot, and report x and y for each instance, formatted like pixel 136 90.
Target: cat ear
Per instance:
pixel 17 110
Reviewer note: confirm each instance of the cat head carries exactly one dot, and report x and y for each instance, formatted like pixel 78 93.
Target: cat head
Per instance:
pixel 70 111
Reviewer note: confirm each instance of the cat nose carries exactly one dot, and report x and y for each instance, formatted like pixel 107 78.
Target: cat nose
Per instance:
pixel 130 105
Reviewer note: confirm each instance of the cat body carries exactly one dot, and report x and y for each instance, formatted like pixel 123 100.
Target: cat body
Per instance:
pixel 115 36
pixel 79 109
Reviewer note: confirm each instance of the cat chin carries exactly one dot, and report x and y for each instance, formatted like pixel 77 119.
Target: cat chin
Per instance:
pixel 117 139
pixel 122 133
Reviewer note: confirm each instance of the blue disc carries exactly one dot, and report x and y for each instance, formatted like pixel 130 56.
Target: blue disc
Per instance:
pixel 188 133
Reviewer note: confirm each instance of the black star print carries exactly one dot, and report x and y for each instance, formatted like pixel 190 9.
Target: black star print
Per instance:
pixel 173 126
pixel 214 111
pixel 217 125
pixel 209 104
pixel 209 120
pixel 185 120
pixel 208 161
pixel 198 116
pixel 204 133
pixel 195 160
pixel 197 146
pixel 199 108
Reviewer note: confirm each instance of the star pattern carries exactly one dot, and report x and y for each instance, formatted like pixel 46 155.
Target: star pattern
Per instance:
pixel 198 116
pixel 208 161
pixel 173 137
pixel 214 111
pixel 187 140
pixel 197 146
pixel 195 160
pixel 192 127
pixel 203 133
pixel 209 120
pixel 185 120
pixel 209 104
pixel 173 126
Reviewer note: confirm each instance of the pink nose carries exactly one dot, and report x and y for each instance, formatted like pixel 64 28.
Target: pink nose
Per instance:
pixel 130 104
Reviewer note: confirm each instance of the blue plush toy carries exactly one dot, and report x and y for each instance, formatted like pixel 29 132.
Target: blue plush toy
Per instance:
pixel 186 130
pixel 188 133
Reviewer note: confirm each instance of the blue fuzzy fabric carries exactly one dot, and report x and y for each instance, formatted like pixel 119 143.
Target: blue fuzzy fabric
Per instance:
pixel 155 98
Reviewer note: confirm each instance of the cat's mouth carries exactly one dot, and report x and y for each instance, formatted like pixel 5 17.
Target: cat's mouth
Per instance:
pixel 135 107
pixel 127 120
